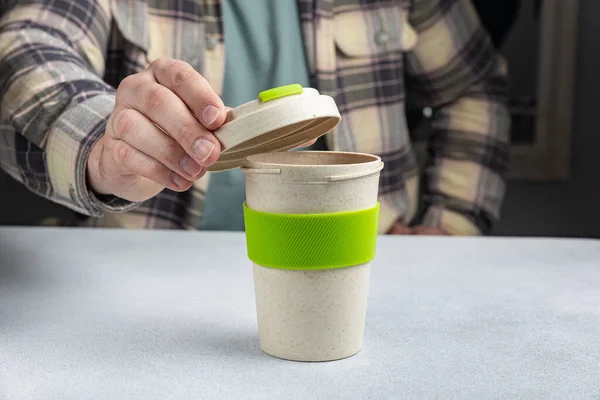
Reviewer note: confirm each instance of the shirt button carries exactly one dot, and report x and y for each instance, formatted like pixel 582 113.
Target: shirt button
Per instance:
pixel 382 37
pixel 211 43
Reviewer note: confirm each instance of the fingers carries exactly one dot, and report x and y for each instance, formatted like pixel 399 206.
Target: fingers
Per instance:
pixel 134 162
pixel 428 231
pixel 159 134
pixel 399 229
pixel 193 89
pixel 170 113
pixel 139 132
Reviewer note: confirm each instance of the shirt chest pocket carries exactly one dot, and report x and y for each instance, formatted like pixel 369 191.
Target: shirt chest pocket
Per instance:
pixel 369 70
pixel 145 27
pixel 375 33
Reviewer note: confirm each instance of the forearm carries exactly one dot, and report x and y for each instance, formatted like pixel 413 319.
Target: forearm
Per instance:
pixel 54 105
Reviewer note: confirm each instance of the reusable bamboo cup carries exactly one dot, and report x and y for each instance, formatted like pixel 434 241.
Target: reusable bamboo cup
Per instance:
pixel 311 224
pixel 311 228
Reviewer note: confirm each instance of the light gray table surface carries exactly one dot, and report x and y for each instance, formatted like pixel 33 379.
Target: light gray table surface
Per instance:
pixel 112 314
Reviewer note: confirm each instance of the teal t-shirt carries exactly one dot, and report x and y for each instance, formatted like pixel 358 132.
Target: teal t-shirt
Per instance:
pixel 263 49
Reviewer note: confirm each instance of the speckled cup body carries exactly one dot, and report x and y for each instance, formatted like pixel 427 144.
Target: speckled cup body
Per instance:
pixel 311 315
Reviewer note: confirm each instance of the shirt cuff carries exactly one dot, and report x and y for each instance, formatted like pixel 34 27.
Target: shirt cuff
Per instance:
pixel 451 222
pixel 67 149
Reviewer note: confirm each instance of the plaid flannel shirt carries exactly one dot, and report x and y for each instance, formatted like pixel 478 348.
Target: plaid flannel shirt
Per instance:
pixel 61 60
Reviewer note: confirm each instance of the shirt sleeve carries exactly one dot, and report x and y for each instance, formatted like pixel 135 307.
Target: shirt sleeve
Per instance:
pixel 53 103
pixel 455 70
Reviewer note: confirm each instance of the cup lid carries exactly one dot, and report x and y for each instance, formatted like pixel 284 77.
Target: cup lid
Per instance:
pixel 280 119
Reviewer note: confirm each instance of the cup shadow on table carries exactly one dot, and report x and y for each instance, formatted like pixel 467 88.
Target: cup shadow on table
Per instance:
pixel 17 272
pixel 233 343
pixel 204 340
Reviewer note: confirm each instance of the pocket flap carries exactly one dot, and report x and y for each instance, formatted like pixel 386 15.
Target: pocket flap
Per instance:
pixel 132 19
pixel 373 32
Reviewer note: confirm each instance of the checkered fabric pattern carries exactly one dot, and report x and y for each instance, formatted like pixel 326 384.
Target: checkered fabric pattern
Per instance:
pixel 61 60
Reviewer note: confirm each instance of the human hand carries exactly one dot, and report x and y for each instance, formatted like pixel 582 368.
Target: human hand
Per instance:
pixel 428 231
pixel 159 134
pixel 399 229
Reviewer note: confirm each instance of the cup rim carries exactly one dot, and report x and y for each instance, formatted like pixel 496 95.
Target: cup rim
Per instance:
pixel 367 158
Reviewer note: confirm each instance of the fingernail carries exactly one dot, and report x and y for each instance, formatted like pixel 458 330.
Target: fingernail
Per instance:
pixel 179 181
pixel 210 115
pixel 203 149
pixel 190 166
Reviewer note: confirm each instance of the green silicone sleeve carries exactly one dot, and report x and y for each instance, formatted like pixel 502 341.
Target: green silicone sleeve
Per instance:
pixel 311 241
